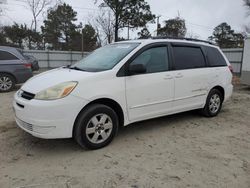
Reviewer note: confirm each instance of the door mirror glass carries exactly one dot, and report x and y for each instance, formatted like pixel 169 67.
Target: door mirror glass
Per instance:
pixel 137 69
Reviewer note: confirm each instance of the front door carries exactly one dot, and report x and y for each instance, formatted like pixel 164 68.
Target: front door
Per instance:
pixel 150 94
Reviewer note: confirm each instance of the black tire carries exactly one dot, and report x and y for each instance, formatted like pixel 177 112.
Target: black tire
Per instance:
pixel 10 80
pixel 84 122
pixel 207 110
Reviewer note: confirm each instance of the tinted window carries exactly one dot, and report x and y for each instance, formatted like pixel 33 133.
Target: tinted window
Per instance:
pixel 215 58
pixel 154 59
pixel 188 58
pixel 7 56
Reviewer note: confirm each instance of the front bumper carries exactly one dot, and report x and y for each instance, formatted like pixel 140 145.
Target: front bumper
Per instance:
pixel 48 119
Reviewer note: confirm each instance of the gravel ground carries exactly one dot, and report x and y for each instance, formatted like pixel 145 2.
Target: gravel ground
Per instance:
pixel 183 150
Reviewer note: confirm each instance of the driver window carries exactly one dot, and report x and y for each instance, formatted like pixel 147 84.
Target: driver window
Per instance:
pixel 154 59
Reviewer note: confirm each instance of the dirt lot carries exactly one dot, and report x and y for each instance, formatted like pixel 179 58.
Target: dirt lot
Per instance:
pixel 184 150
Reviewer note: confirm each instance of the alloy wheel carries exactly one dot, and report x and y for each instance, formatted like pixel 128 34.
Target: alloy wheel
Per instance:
pixel 5 83
pixel 99 128
pixel 214 103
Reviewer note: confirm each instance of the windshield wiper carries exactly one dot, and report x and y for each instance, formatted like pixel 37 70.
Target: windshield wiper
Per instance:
pixel 75 68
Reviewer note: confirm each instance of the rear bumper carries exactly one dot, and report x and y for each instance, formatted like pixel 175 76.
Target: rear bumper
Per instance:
pixel 228 92
pixel 23 76
pixel 35 66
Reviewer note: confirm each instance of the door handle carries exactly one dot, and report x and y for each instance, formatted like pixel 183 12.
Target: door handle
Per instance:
pixel 168 77
pixel 179 75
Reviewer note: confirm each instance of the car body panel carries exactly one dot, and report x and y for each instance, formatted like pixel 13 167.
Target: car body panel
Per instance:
pixel 149 95
pixel 51 78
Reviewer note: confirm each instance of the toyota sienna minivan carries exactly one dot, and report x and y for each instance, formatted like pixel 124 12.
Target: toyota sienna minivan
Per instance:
pixel 122 83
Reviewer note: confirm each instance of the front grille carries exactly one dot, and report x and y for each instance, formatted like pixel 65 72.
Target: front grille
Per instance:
pixel 25 125
pixel 20 105
pixel 27 95
pixel 34 128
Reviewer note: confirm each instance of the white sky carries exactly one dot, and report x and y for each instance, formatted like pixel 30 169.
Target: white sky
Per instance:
pixel 201 15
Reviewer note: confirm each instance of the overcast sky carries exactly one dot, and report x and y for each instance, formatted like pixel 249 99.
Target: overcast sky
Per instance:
pixel 201 15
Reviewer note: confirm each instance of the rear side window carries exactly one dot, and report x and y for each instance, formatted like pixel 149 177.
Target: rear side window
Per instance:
pixel 188 58
pixel 215 58
pixel 7 56
pixel 154 59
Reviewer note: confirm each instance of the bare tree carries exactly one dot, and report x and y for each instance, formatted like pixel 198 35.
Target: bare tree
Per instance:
pixel 1 11
pixel 247 3
pixel 105 22
pixel 37 7
pixel 246 30
pixel 2 2
pixel 98 35
pixel 192 35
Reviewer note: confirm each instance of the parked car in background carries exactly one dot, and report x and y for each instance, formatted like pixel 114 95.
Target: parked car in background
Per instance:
pixel 34 62
pixel 123 83
pixel 14 68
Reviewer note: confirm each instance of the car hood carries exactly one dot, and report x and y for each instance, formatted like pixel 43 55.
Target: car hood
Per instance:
pixel 51 78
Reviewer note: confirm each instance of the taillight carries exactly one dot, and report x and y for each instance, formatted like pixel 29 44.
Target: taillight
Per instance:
pixel 27 65
pixel 231 68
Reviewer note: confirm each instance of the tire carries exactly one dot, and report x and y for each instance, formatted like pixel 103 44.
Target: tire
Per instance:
pixel 213 103
pixel 7 82
pixel 96 126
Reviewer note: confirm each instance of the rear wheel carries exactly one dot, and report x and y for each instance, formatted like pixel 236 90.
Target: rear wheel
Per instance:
pixel 213 103
pixel 7 82
pixel 96 126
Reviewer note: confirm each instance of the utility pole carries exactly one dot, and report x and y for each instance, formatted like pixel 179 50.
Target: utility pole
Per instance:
pixel 128 30
pixel 82 44
pixel 158 24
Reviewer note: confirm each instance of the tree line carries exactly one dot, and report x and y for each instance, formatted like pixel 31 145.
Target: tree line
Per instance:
pixel 59 30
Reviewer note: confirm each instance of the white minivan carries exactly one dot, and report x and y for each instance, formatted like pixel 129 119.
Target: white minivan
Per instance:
pixel 122 83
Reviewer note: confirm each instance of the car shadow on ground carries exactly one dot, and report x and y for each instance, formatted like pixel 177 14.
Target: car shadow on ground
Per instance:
pixel 156 123
pixel 128 132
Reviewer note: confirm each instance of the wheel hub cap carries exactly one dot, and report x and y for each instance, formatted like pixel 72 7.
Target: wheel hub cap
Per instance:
pixel 99 128
pixel 214 103
pixel 5 83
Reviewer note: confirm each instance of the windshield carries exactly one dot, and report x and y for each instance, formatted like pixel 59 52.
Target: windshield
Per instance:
pixel 105 58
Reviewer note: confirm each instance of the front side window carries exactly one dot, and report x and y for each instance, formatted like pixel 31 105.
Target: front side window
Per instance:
pixel 154 59
pixel 188 58
pixel 7 56
pixel 105 58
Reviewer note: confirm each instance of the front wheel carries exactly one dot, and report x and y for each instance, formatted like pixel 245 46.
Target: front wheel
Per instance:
pixel 213 103
pixel 96 126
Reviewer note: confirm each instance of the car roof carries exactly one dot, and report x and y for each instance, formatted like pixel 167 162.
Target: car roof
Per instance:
pixel 7 48
pixel 12 50
pixel 183 41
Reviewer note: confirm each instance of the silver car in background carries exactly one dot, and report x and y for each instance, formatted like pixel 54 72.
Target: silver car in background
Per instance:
pixel 14 68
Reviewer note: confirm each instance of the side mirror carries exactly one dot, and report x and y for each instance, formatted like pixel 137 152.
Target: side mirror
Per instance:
pixel 137 69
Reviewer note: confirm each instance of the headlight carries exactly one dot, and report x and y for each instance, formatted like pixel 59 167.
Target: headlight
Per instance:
pixel 56 92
